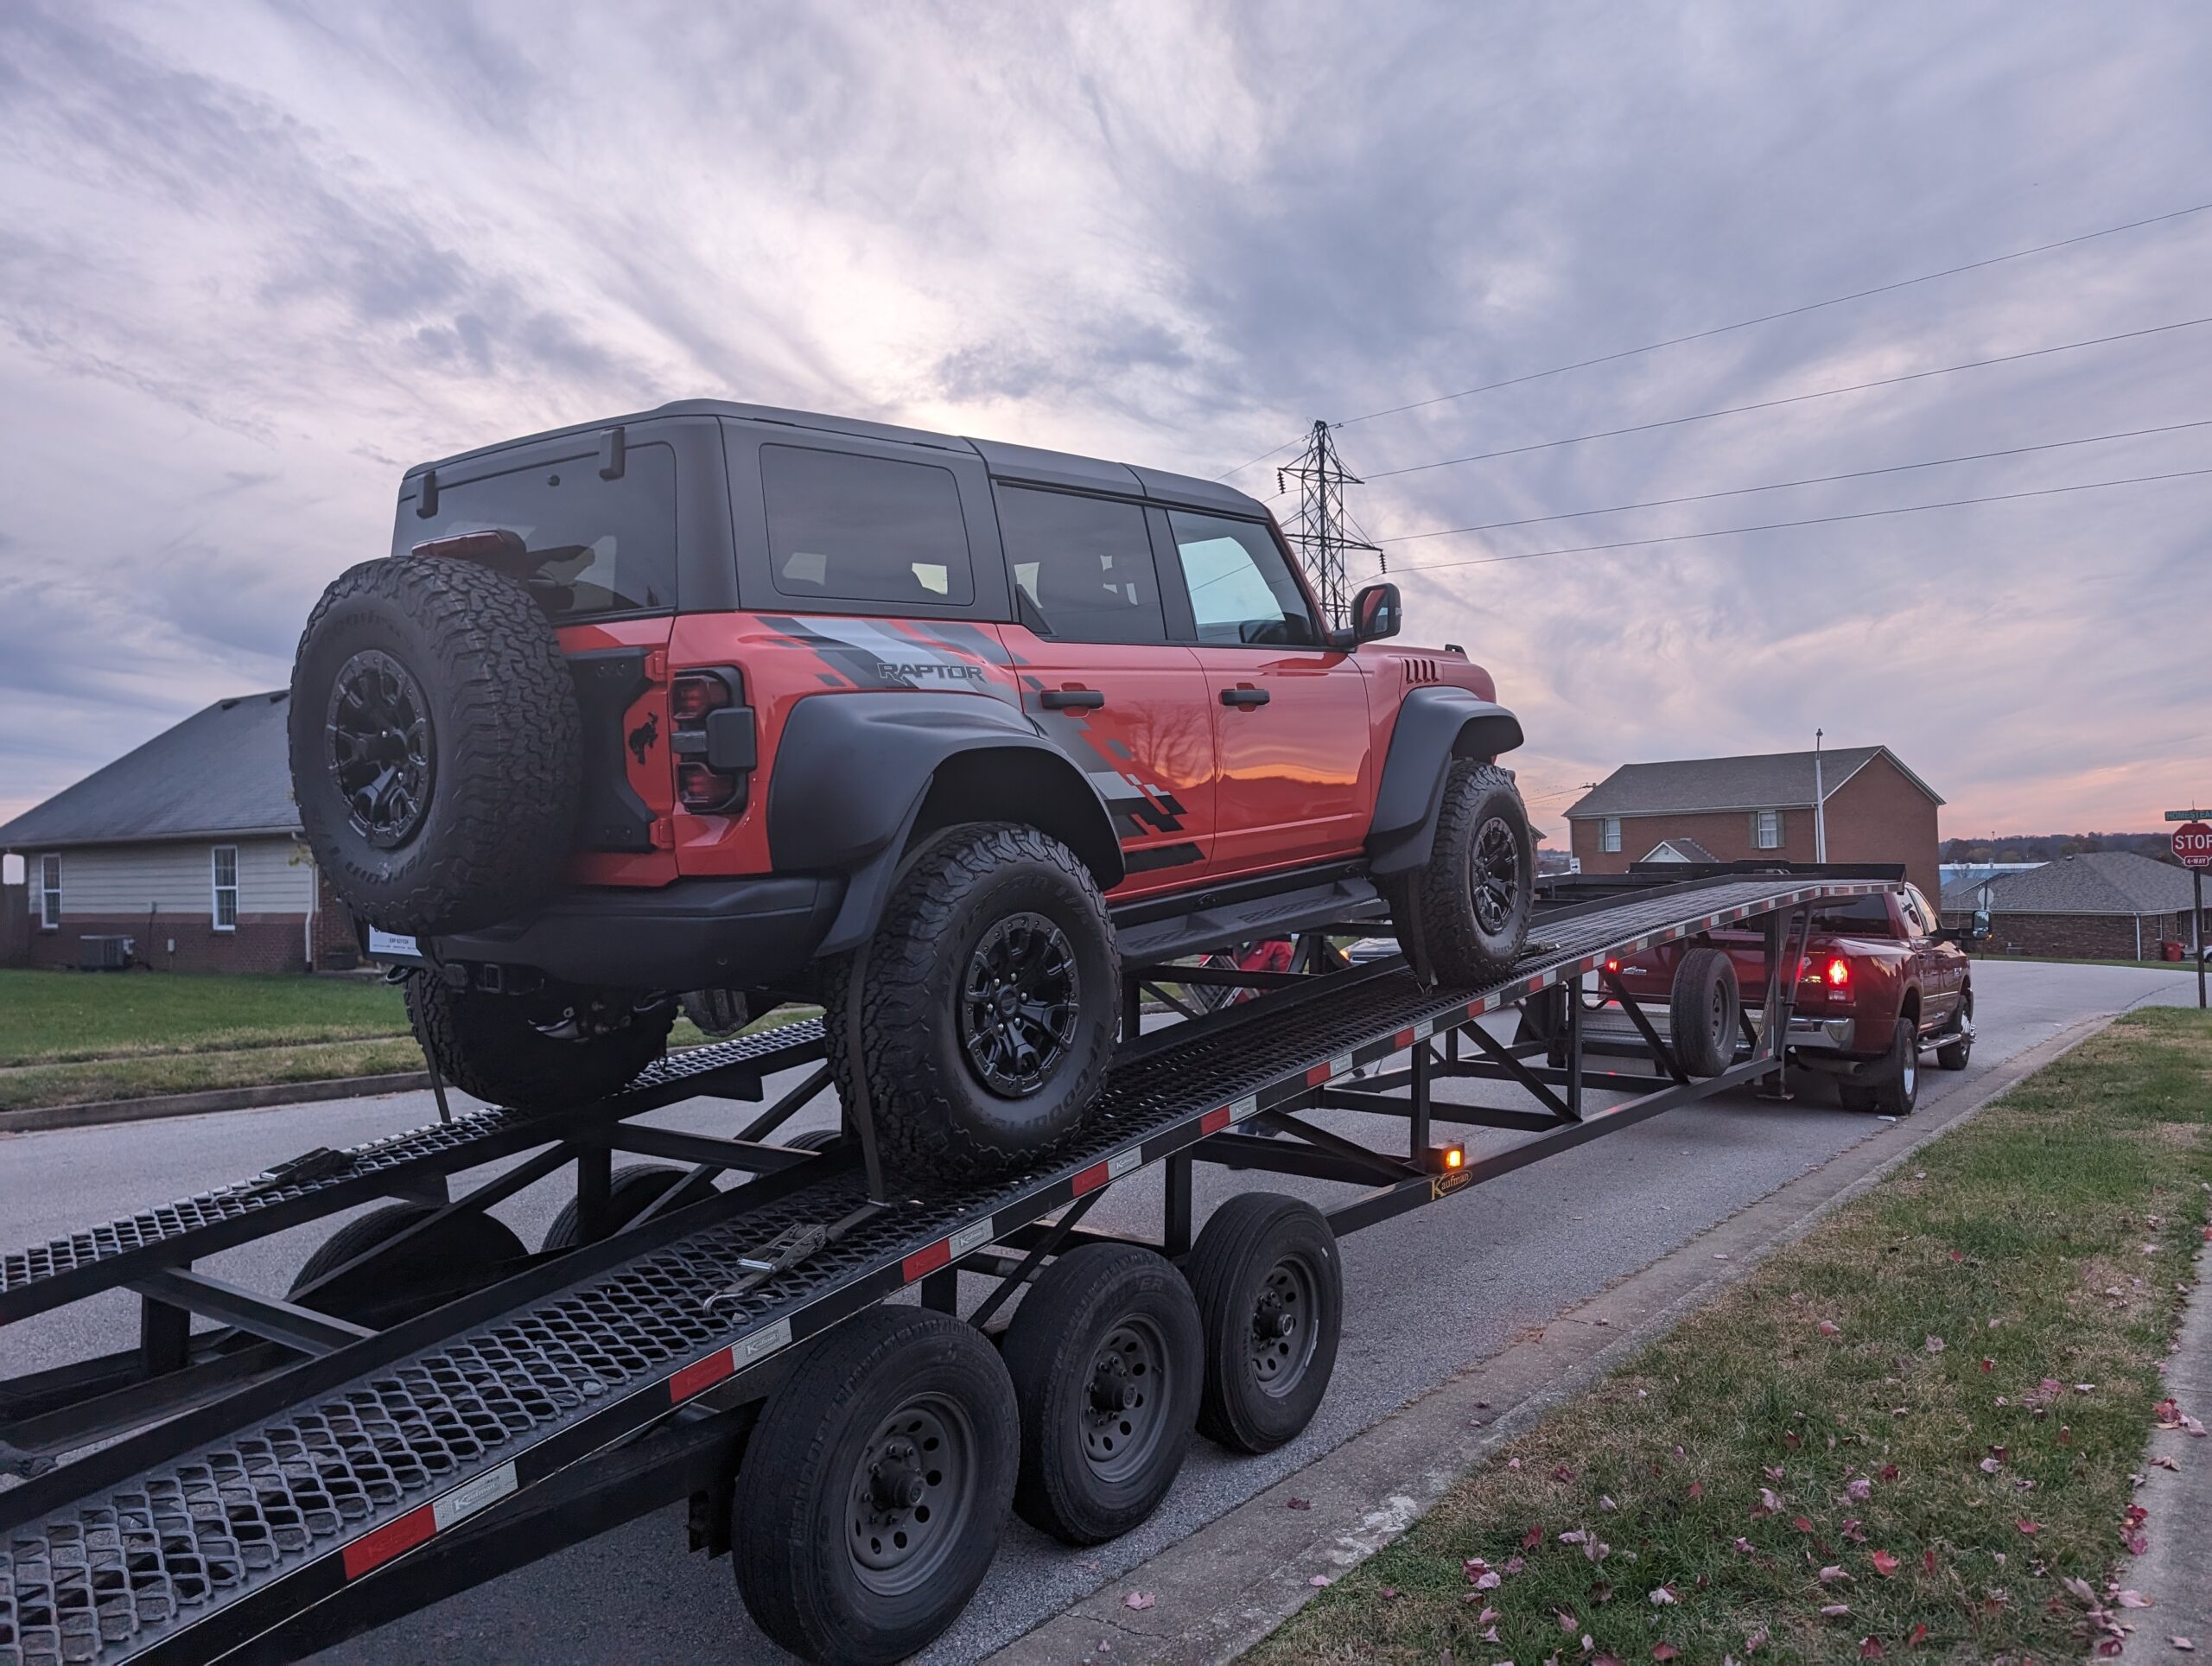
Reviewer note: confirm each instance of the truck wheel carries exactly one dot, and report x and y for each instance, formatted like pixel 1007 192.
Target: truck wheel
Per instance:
pixel 1958 1047
pixel 1703 1010
pixel 544 1052
pixel 1106 1365
pixel 436 745
pixel 875 1487
pixel 1270 1295
pixel 1463 918
pixel 719 1013
pixel 630 1190
pixel 1898 1087
pixel 414 1279
pixel 990 1007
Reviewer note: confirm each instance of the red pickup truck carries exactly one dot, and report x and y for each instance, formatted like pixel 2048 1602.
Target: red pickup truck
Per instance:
pixel 1878 982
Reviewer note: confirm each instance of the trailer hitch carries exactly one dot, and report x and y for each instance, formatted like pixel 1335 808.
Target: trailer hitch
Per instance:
pixel 786 1250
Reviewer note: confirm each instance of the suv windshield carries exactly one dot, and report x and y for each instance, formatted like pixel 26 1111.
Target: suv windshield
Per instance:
pixel 595 546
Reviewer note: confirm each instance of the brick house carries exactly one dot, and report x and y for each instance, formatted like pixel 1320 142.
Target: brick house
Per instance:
pixel 1741 809
pixel 189 846
pixel 2109 905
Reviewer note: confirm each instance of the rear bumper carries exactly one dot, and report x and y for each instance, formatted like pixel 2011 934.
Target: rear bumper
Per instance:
pixel 1610 1028
pixel 693 934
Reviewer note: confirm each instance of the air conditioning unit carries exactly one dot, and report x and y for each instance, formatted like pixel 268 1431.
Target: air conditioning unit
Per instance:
pixel 105 953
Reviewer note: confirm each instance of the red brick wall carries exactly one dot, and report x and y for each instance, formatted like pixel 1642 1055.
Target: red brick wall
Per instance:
pixel 262 943
pixel 1878 815
pixel 2086 937
pixel 336 948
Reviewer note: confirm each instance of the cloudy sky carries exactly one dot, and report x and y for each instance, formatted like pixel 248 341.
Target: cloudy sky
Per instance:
pixel 255 260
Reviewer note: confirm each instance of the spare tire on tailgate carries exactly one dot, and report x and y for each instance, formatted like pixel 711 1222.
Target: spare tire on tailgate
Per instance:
pixel 437 745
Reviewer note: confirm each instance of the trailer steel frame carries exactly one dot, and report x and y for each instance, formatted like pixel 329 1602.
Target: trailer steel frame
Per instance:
pixel 294 1476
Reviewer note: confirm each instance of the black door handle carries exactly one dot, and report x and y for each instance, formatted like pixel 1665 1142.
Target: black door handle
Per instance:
pixel 1071 699
pixel 1243 696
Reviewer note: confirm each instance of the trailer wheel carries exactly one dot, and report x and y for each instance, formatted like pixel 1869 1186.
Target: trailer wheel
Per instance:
pixel 1958 1047
pixel 1108 1364
pixel 1897 1090
pixel 1270 1294
pixel 1701 1013
pixel 815 1139
pixel 1463 919
pixel 414 1279
pixel 875 1487
pixel 991 1006
pixel 630 1190
pixel 543 1051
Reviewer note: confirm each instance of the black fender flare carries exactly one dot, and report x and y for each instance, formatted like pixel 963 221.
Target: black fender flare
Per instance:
pixel 851 772
pixel 1435 725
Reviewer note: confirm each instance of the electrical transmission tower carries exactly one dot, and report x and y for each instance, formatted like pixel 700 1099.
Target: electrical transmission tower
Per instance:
pixel 1318 532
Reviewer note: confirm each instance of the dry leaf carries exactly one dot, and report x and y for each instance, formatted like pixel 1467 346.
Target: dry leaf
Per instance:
pixel 1884 1563
pixel 1141 1599
pixel 1663 1597
pixel 1318 1581
pixel 1299 1503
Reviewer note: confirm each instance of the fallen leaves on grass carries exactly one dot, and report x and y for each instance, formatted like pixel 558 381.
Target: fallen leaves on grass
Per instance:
pixel 1884 1563
pixel 1663 1597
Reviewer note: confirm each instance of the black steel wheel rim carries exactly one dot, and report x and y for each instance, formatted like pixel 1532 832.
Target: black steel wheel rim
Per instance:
pixel 1125 1404
pixel 378 748
pixel 1285 1327
pixel 1020 1004
pixel 1494 879
pixel 912 1496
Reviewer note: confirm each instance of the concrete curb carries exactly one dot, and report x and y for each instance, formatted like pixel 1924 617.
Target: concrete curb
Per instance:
pixel 2176 1573
pixel 1228 1584
pixel 41 1118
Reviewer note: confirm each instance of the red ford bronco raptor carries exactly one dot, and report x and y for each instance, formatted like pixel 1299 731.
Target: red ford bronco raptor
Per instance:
pixel 722 705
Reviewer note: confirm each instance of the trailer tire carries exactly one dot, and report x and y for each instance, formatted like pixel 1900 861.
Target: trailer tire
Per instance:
pixel 1107 1364
pixel 1702 1011
pixel 1463 917
pixel 436 745
pixel 630 1190
pixel 1269 1285
pixel 382 1288
pixel 815 1139
pixel 978 901
pixel 850 1544
pixel 493 1046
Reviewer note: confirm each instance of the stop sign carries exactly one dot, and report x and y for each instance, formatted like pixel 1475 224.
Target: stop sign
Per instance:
pixel 2193 844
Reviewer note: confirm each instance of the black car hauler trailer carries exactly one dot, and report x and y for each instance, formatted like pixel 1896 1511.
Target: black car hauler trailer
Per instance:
pixel 429 1405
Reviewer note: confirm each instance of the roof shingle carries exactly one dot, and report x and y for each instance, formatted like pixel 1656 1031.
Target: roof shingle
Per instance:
pixel 2103 882
pixel 1771 780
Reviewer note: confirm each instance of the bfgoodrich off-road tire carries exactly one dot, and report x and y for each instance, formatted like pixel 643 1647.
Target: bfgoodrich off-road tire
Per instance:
pixel 436 748
pixel 498 1047
pixel 977 908
pixel 1108 1364
pixel 1701 1011
pixel 1269 1285
pixel 1463 918
pixel 875 1487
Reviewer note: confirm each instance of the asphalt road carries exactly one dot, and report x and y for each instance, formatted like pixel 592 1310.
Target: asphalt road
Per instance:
pixel 1425 1294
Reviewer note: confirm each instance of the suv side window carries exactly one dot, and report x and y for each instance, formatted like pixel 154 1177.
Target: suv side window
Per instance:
pixel 843 527
pixel 1083 565
pixel 1243 593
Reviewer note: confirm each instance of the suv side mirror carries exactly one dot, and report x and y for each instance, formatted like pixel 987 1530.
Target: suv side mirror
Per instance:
pixel 1377 612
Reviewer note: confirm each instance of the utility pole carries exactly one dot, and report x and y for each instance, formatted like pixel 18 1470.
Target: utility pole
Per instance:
pixel 1318 532
pixel 1819 803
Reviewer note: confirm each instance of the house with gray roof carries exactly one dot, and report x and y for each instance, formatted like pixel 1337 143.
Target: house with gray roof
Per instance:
pixel 1862 802
pixel 188 847
pixel 2108 905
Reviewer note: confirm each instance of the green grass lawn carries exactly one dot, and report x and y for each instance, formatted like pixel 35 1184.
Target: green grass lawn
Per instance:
pixel 1908 1436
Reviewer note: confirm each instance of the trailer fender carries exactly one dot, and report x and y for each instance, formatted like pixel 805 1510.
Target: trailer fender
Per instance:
pixel 1434 726
pixel 856 775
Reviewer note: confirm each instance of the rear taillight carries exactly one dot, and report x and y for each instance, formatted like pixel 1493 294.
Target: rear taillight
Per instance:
pixel 1838 975
pixel 714 738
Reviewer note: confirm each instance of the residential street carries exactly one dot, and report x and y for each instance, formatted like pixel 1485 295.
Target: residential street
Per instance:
pixel 1427 1293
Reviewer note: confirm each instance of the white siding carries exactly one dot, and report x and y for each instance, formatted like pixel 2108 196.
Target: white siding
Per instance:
pixel 131 881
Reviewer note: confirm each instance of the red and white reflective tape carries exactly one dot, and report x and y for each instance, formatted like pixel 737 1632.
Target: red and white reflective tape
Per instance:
pixel 1120 1163
pixel 1328 1069
pixel 727 1362
pixel 425 1522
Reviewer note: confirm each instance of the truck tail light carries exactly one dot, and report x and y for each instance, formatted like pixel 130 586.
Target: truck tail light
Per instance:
pixel 714 739
pixel 1838 975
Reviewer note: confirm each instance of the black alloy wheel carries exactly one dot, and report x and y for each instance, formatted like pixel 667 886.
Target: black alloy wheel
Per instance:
pixel 379 748
pixel 1020 1004
pixel 1494 874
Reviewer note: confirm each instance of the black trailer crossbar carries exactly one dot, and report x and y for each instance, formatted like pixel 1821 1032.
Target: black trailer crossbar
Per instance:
pixel 202 1536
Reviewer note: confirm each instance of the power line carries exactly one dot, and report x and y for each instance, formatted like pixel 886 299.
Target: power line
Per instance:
pixel 1272 451
pixel 1768 318
pixel 1794 398
pixel 1815 520
pixel 1784 485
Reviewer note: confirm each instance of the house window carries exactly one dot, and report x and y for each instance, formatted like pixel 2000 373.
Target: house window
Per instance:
pixel 1766 829
pixel 50 893
pixel 226 864
pixel 1609 833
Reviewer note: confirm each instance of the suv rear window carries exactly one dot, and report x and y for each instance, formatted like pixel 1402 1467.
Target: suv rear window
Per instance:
pixel 596 546
pixel 1853 916
pixel 844 527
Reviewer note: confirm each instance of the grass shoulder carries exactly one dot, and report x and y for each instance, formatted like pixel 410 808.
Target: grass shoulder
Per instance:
pixel 1901 1437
